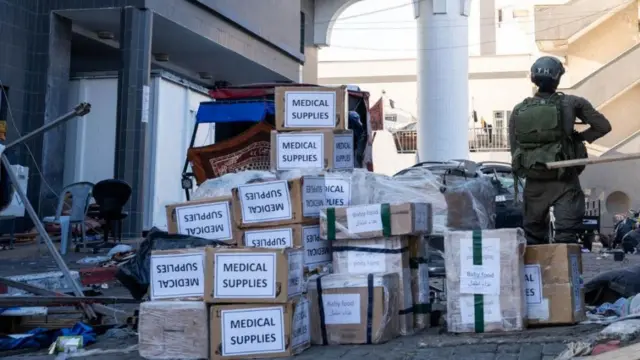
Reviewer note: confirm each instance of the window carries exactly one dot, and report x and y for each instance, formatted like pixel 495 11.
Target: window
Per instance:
pixel 498 118
pixel 302 31
pixel 391 117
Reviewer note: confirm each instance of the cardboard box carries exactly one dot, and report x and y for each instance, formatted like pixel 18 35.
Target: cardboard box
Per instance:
pixel 259 331
pixel 305 108
pixel 376 220
pixel 418 261
pixel 282 202
pixel 206 218
pixel 177 274
pixel 253 275
pixel 485 280
pixel 554 291
pixel 312 150
pixel 317 252
pixel 379 255
pixel 173 330
pixel 281 237
pixel 353 309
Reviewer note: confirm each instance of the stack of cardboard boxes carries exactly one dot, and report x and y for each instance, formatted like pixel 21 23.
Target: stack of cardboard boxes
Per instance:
pixel 369 298
pixel 497 283
pixel 311 130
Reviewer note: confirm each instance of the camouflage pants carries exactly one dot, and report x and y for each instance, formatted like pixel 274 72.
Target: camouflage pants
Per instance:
pixel 567 200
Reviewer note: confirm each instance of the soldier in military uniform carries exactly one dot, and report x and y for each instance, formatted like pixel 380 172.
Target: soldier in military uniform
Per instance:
pixel 541 130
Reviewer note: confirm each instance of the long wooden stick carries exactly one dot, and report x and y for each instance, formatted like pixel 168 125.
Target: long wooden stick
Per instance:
pixel 591 161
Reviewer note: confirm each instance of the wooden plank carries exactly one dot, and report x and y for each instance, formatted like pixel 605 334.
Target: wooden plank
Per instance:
pixel 631 352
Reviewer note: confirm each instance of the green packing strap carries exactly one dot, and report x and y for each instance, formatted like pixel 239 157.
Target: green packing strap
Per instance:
pixel 385 213
pixel 478 299
pixel 331 223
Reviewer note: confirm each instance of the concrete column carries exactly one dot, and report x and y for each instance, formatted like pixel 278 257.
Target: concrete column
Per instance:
pixel 443 79
pixel 133 93
pixel 56 104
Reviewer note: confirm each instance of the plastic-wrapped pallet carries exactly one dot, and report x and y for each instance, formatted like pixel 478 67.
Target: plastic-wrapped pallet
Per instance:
pixel 173 330
pixel 485 280
pixel 353 309
pixel 418 251
pixel 391 254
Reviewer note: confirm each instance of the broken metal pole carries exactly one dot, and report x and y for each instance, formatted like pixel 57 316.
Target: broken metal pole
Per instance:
pixel 80 110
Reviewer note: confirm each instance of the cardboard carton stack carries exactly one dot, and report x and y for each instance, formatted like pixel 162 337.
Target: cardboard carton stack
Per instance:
pixel 174 323
pixel 311 130
pixel 485 280
pixel 372 241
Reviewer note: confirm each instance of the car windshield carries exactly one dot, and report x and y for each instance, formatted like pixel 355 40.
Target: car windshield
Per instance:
pixel 507 183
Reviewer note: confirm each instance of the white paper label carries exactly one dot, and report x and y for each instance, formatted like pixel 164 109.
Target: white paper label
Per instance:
pixel 300 328
pixel 533 284
pixel 480 279
pixel 538 311
pixel 316 250
pixel 209 221
pixel 341 309
pixel 343 152
pixel 319 192
pixel 313 195
pixel 270 239
pixel 361 262
pixel 252 331
pixel 305 109
pixel 245 275
pixel 364 218
pixel 490 306
pixel 177 276
pixel 268 201
pixel 575 281
pixel 296 272
pixel 296 151
pixel 421 217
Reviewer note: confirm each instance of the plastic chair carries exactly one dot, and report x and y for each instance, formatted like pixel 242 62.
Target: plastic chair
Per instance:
pixel 111 195
pixel 80 197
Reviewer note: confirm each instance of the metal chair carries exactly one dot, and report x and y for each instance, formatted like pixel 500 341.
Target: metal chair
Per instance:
pixel 80 197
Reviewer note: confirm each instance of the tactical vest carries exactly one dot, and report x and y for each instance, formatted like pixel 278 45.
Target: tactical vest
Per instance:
pixel 541 138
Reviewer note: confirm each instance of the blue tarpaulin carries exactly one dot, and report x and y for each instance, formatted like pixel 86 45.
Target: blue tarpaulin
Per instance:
pixel 41 338
pixel 229 112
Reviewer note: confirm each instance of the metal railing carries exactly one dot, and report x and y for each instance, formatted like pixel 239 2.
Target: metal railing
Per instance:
pixel 480 139
pixel 489 139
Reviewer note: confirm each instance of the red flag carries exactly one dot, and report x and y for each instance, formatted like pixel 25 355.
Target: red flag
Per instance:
pixel 377 115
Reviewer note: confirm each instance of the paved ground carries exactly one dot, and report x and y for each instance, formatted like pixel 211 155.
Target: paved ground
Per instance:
pixel 533 344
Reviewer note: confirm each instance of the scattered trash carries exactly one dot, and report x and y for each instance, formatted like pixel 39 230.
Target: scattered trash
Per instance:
pixel 66 344
pixel 118 249
pixel 40 338
pixel 120 333
pixel 93 260
pixel 622 330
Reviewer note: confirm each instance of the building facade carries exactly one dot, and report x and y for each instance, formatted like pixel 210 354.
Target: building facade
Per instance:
pixel 45 43
pixel 598 42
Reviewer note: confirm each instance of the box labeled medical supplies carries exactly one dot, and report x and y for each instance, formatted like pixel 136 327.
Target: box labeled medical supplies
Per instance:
pixel 253 331
pixel 253 275
pixel 485 280
pixel 282 202
pixel 319 150
pixel 306 108
pixel 206 218
pixel 554 290
pixel 177 274
pixel 375 220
